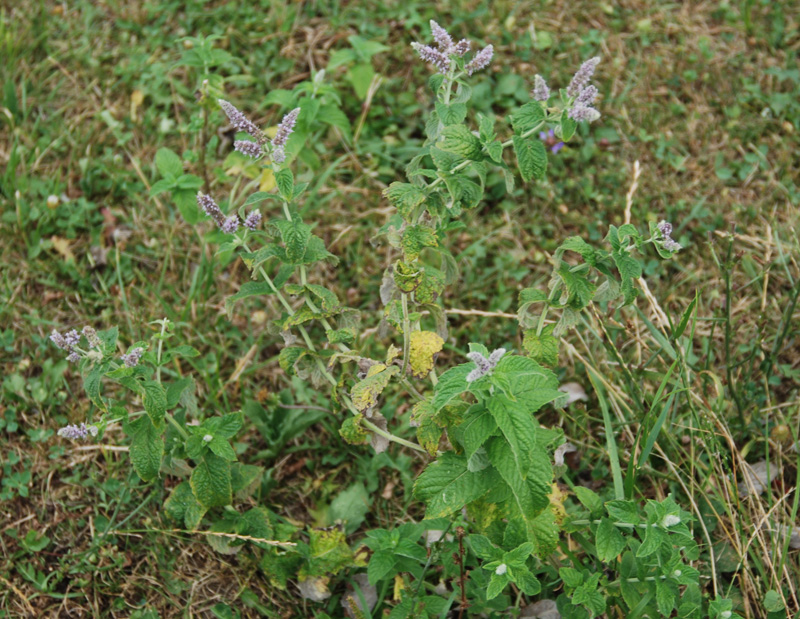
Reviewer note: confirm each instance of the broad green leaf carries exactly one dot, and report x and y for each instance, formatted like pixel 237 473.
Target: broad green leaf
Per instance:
pixel 518 428
pixel 531 157
pixel 405 197
pixel 451 384
pixel 443 160
pixel 305 314
pixel 447 485
pixel 147 448
pixel 530 383
pixel 460 140
pixel 284 179
pixel 452 114
pixel 155 401
pixel 608 541
pixel 381 565
pixel 168 163
pixel 579 289
pixel 568 127
pixel 527 117
pixel 429 433
pixel 334 116
pixel 589 499
pixel 475 430
pixel 497 583
pixel 529 494
pixel 220 446
pixel 211 481
pixel 182 506
pixel 296 236
pixel 93 384
pixel 483 547
pixel 543 348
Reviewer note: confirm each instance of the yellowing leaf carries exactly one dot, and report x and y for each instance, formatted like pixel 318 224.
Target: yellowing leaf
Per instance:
pixel 137 98
pixel 424 345
pixel 267 180
pixel 365 394
pixel 62 247
pixel 392 353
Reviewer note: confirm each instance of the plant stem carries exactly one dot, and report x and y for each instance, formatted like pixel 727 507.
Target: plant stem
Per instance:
pixel 406 334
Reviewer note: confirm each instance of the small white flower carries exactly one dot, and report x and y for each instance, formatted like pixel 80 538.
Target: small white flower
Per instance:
pixel 208 438
pixel 725 614
pixel 670 520
pixel 501 569
pixel 677 573
pixel 92 430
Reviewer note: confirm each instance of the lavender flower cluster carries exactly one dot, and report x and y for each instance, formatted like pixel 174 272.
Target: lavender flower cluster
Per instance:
pixel 485 366
pixel 131 360
pixel 77 432
pixel 255 149
pixel 583 93
pixel 442 58
pixel 276 150
pixel 69 341
pixel 667 242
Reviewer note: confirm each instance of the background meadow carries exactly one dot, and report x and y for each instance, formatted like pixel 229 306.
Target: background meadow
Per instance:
pixel 705 96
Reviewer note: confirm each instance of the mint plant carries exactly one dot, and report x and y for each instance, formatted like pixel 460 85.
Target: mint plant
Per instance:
pixel 490 462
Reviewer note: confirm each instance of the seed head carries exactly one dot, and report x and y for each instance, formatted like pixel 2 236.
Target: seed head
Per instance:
pixel 480 61
pixel 582 76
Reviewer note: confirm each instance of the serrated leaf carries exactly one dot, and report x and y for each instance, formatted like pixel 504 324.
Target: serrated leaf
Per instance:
pixel 443 160
pixel 147 448
pixel 422 348
pixel 543 348
pixel 211 481
pixel 460 140
pixel 296 236
pixel 415 239
pixel 446 485
pixel 495 151
pixel 365 393
pixel 451 384
pixel 93 384
pixel 429 433
pixel 305 314
pixel 517 426
pixel 497 583
pixel 531 157
pixel 475 430
pixel 608 541
pixel 452 114
pixel 527 117
pixel 168 163
pixel 353 432
pixel 259 196
pixel 220 446
pixel 155 401
pixel 405 197
pixel 284 179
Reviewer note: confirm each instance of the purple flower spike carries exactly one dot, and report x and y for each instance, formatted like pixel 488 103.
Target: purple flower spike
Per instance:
pixel 583 113
pixel 73 357
pixel 253 220
pixel 484 366
pixel 540 92
pixel 586 96
pixel 480 61
pixel 667 242
pixel 240 121
pixel 230 225
pixel 91 336
pixel 74 432
pixel 433 56
pixel 582 76
pixel 72 338
pixel 285 128
pixel 58 340
pixel 131 360
pixel 210 208
pixel 246 147
pixel 461 48
pixel 442 38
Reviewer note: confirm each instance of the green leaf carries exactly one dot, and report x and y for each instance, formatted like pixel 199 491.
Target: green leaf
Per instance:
pixel 497 583
pixel 517 426
pixel 452 114
pixel 155 401
pixel 334 116
pixel 305 314
pixel 543 348
pixel 352 431
pixel 159 187
pixel 249 289
pixel 665 598
pixel 168 163
pixel 609 541
pixel 351 506
pixel 568 127
pixel 220 446
pixel 405 197
pixel 444 161
pixel 146 449
pixel 531 157
pixel 381 566
pixel 527 117
pixel 529 495
pixel 526 581
pixel 295 235
pixel 182 506
pixel 459 140
pixel 93 384
pixel 475 430
pixel 483 547
pixel 211 481
pixel 429 433
pixel 447 485
pixel 284 179
pixel 495 151
pixel 187 205
pixel 589 499
pixel 451 384
pixel 579 289
pixel 226 426
pixel 259 196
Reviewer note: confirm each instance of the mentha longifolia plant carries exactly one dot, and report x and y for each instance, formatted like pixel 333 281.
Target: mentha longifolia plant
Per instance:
pixel 493 516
